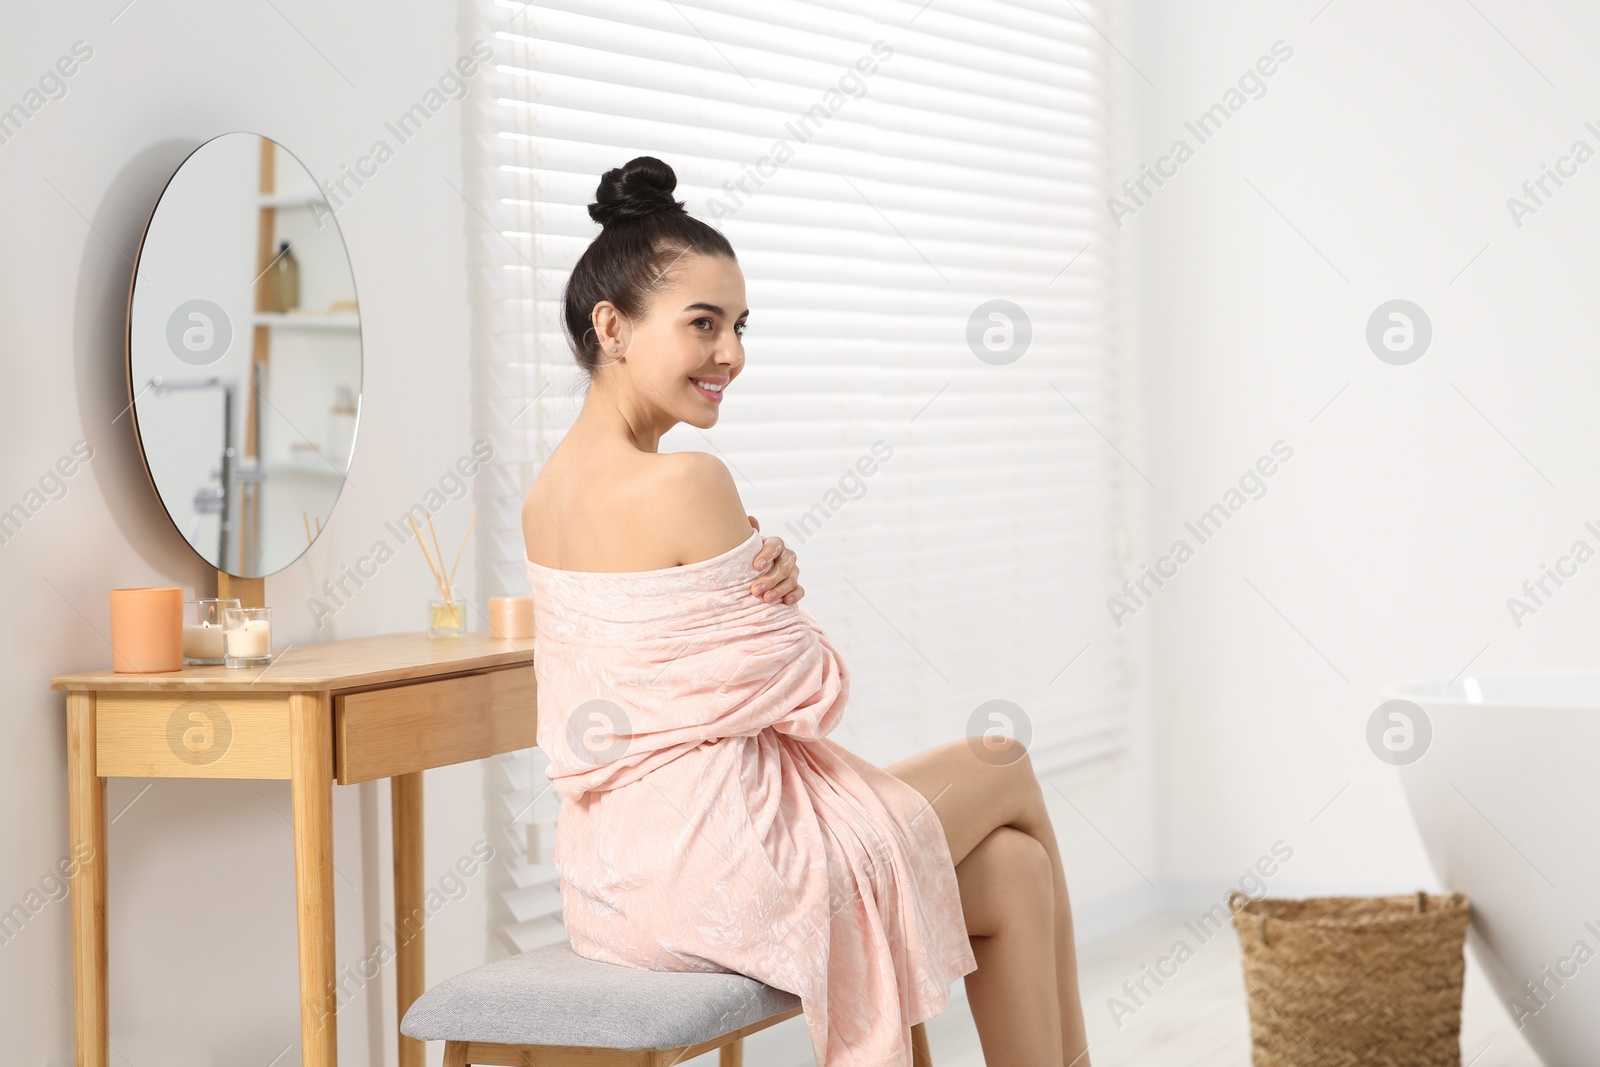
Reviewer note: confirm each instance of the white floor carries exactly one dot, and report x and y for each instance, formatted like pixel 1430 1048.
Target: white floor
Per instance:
pixel 1198 1018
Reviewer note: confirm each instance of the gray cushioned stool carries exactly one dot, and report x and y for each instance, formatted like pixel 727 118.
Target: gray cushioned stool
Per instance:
pixel 553 1008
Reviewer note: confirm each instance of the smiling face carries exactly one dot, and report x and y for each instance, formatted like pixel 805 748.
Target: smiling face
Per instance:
pixel 676 364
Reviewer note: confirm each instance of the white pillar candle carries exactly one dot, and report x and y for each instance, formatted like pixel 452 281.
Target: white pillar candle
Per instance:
pixel 202 641
pixel 250 641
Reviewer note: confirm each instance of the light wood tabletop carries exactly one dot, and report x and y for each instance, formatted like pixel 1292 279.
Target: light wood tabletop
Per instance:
pixel 379 660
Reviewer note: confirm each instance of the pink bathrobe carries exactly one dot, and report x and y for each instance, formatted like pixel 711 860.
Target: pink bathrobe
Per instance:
pixel 709 825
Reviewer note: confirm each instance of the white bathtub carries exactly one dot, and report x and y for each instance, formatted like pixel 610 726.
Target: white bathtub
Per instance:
pixel 1507 799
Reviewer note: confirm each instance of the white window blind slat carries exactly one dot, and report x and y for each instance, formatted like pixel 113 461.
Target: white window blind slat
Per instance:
pixel 1053 52
pixel 974 563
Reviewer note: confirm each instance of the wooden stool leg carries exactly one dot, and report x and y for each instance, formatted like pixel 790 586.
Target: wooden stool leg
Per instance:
pixel 455 1054
pixel 732 1054
pixel 920 1056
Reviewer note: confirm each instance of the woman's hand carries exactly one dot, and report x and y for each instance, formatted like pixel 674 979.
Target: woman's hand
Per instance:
pixel 780 578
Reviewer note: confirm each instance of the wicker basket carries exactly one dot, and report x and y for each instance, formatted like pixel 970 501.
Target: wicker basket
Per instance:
pixel 1348 981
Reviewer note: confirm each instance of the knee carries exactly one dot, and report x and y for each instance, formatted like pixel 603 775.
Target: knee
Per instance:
pixel 1006 884
pixel 1013 768
pixel 1026 863
pixel 1006 751
pixel 1002 757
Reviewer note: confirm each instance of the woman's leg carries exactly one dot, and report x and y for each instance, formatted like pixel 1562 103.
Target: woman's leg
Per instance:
pixel 1009 904
pixel 975 796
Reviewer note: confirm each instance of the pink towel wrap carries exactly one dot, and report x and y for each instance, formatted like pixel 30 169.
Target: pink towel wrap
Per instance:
pixel 708 823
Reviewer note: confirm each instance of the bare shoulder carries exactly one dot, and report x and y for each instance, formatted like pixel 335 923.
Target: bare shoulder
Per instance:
pixel 623 512
pixel 698 471
pixel 697 503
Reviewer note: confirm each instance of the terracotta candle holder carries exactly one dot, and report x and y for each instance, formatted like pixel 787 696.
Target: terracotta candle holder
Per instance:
pixel 510 617
pixel 147 630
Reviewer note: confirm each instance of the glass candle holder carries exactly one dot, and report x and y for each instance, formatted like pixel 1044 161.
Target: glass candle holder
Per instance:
pixel 202 630
pixel 447 618
pixel 246 636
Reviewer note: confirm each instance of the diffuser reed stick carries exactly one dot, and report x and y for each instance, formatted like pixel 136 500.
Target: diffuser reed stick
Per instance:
pixel 438 552
pixel 437 577
pixel 451 580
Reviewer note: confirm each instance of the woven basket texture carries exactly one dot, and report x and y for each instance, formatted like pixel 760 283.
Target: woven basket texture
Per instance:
pixel 1354 981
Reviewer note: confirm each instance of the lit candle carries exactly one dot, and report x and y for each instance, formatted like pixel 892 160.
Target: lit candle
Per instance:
pixel 202 641
pixel 250 641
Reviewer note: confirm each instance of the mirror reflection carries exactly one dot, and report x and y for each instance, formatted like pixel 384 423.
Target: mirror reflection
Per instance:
pixel 244 354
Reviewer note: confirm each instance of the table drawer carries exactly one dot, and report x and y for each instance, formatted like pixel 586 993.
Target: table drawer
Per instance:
pixel 379 733
pixel 177 735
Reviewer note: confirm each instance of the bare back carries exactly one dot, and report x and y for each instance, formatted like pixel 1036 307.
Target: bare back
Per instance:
pixel 606 506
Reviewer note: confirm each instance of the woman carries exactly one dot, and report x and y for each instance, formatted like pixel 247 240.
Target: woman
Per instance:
pixel 684 699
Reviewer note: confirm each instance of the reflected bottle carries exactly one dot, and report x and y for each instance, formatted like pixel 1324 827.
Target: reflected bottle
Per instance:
pixel 285 280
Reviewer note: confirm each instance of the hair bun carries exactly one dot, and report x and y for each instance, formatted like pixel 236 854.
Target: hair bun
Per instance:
pixel 641 187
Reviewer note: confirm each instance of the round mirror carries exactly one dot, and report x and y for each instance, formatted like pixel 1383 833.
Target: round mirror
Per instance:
pixel 244 354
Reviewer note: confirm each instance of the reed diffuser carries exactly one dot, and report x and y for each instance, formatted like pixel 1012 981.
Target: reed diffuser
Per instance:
pixel 447 613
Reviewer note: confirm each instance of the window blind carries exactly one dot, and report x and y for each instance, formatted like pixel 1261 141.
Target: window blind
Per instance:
pixel 931 409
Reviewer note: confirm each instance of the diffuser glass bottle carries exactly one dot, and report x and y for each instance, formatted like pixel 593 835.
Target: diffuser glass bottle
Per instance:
pixel 447 613
pixel 447 618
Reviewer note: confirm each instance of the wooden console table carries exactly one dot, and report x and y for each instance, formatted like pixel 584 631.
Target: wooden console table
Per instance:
pixel 346 711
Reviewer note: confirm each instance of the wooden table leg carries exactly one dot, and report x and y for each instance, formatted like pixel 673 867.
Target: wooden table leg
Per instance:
pixel 405 803
pixel 311 787
pixel 86 806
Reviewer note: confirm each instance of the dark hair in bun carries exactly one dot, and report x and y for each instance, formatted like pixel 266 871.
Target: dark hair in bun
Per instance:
pixel 644 232
pixel 643 186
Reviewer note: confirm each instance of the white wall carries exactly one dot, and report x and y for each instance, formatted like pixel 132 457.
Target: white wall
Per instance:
pixel 203 967
pixel 1376 166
